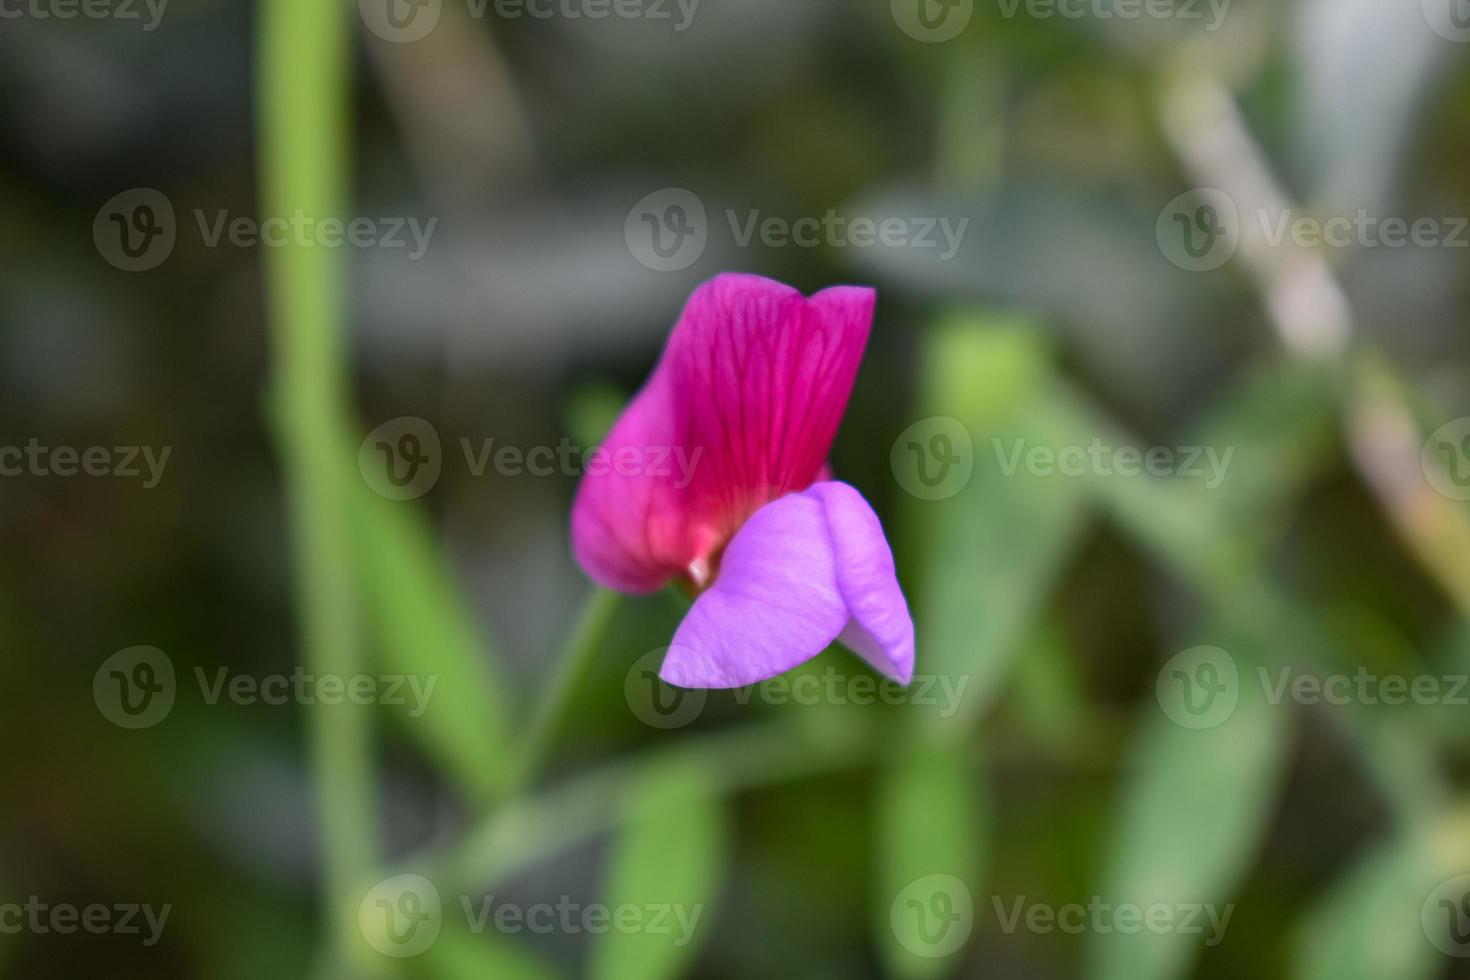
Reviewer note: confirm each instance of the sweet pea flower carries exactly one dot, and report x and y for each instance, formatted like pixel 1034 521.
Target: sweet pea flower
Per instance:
pixel 782 560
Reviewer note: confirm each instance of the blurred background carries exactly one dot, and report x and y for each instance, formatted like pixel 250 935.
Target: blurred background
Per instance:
pixel 305 681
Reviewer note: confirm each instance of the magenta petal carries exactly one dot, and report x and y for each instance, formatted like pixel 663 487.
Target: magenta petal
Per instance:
pixel 627 527
pixel 760 378
pixel 804 571
pixel 748 393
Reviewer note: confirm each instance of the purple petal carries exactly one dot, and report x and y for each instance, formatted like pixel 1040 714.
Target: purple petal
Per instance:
pixel 804 571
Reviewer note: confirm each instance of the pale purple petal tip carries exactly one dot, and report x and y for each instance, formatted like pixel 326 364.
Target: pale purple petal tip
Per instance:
pixel 804 571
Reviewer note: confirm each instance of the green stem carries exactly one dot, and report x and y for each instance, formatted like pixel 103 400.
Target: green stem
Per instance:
pixel 586 637
pixel 303 98
pixel 532 829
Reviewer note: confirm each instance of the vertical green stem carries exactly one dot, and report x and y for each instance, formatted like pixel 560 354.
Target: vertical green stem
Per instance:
pixel 585 639
pixel 303 75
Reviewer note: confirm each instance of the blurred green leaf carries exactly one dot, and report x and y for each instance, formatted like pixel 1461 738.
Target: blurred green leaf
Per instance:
pixel 591 412
pixel 996 545
pixel 1048 690
pixel 1367 924
pixel 1280 426
pixel 1176 520
pixel 426 630
pixel 671 855
pixel 932 828
pixel 1191 817
pixel 460 955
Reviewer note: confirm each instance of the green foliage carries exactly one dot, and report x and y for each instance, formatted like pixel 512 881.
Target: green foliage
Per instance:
pixel 670 853
pixel 1362 927
pixel 932 825
pixel 424 629
pixel 1194 809
pixel 993 550
pixel 461 955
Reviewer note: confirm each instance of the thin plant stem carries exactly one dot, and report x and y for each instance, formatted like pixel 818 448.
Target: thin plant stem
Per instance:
pixel 586 638
pixel 531 829
pixel 303 76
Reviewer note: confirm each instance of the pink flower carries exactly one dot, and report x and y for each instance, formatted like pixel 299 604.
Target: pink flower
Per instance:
pixel 748 395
